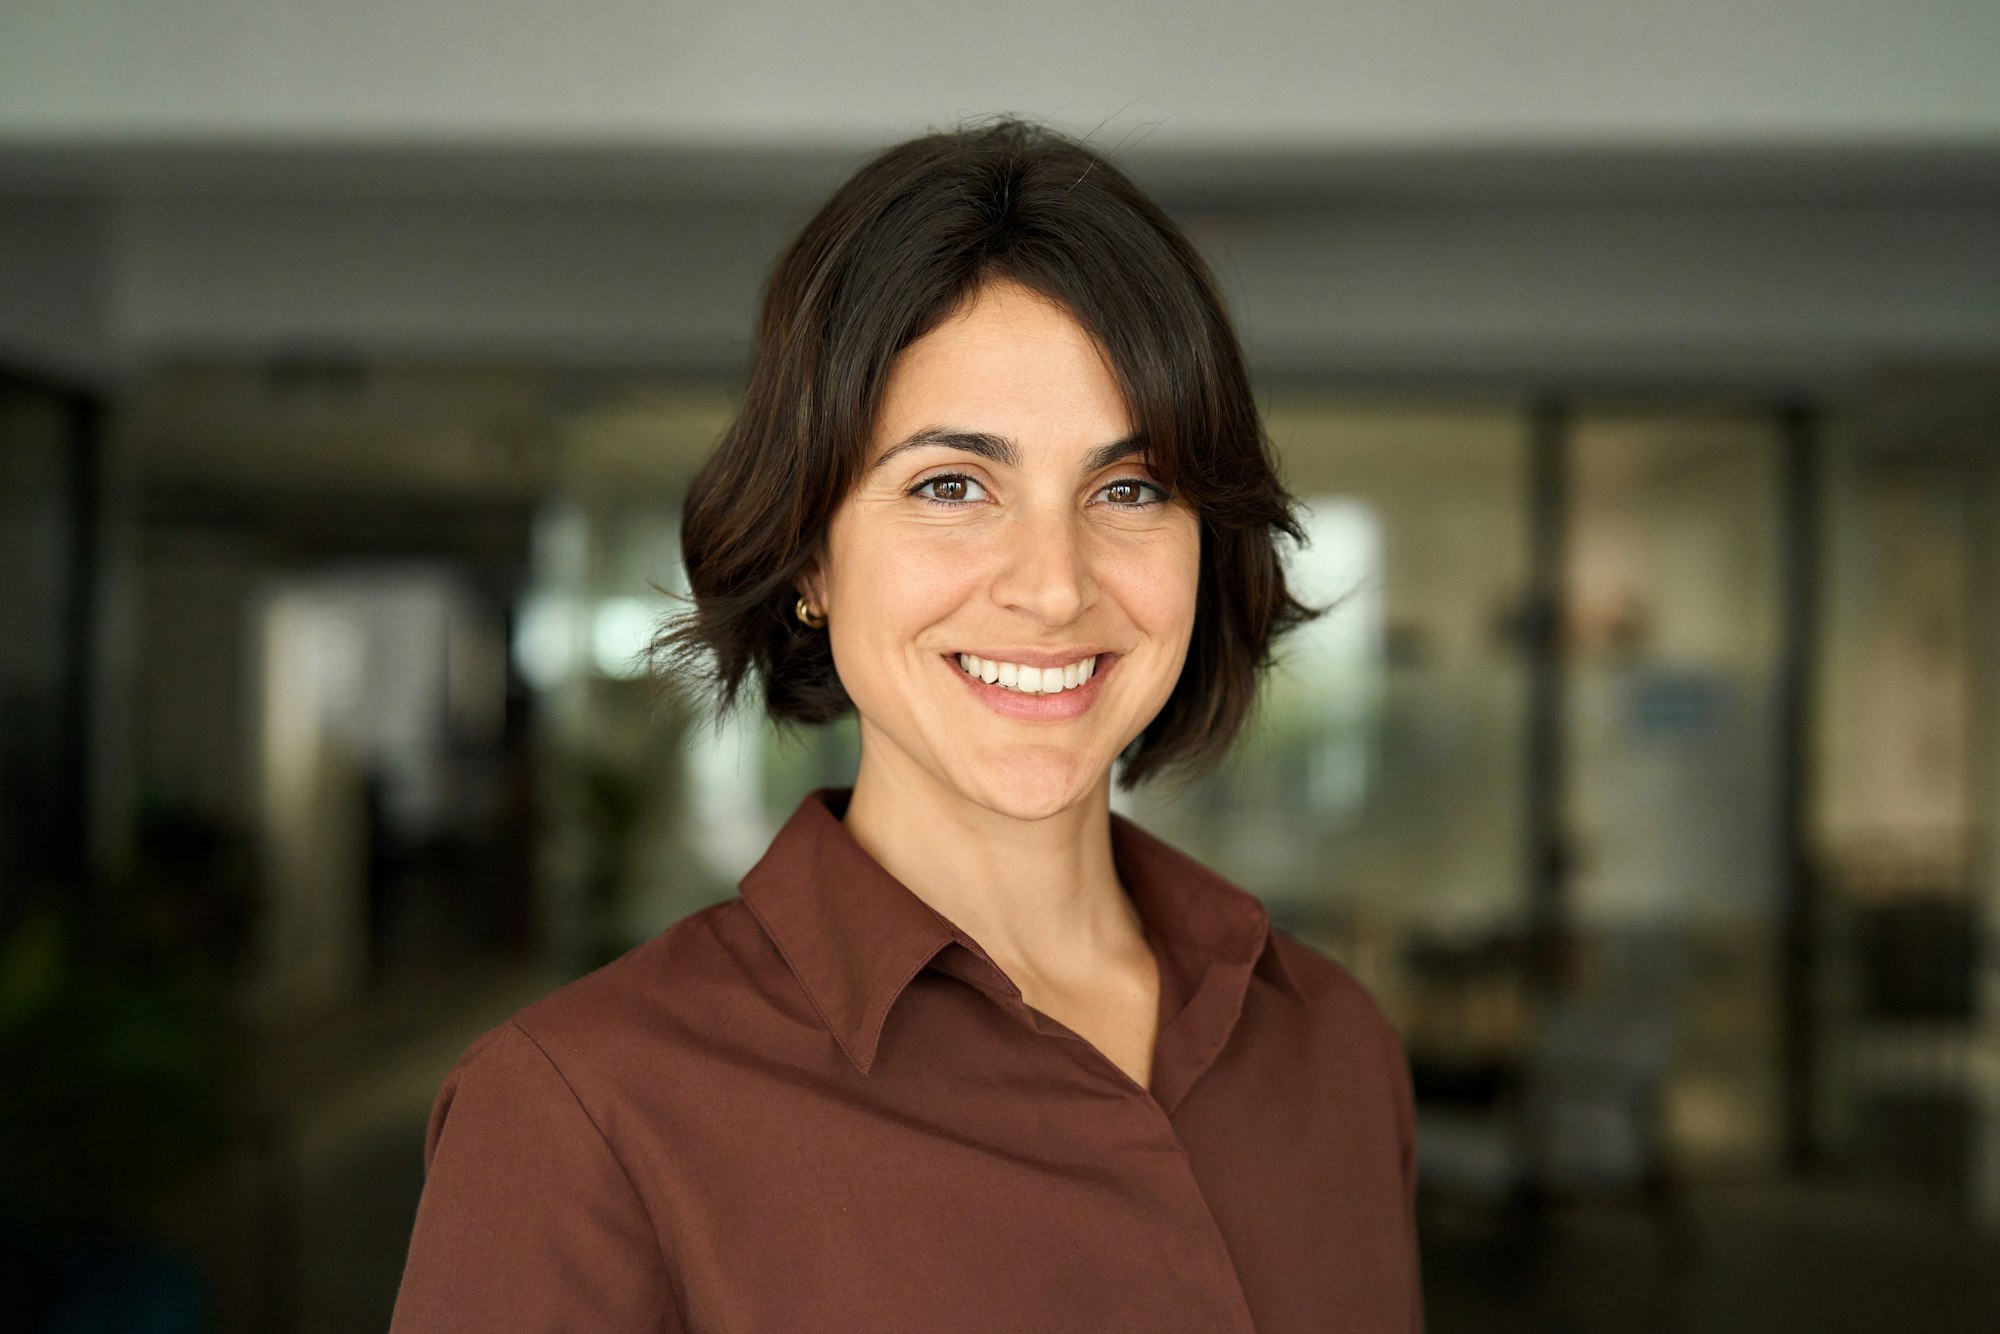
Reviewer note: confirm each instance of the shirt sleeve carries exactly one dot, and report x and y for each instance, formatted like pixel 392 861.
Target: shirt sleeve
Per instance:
pixel 528 1221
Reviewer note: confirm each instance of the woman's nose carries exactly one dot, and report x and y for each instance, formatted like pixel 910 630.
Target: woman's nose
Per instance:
pixel 1045 568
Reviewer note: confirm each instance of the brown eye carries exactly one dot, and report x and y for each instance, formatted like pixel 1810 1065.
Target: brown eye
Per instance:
pixel 950 489
pixel 1130 493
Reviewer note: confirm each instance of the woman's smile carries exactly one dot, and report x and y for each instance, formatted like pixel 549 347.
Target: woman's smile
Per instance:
pixel 1053 693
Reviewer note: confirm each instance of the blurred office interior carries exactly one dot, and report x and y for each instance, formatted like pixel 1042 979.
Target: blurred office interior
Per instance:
pixel 1638 366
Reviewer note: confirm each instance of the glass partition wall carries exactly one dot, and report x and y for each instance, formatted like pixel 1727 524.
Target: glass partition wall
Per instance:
pixel 1671 799
pixel 1740 629
pixel 1907 992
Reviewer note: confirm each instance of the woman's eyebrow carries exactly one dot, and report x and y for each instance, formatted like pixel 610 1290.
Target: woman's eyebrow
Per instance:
pixel 1106 455
pixel 999 449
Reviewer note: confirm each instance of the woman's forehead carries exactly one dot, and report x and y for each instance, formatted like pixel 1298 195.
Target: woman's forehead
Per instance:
pixel 1009 364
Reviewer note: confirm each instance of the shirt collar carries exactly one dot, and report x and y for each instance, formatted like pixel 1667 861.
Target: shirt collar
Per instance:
pixel 854 935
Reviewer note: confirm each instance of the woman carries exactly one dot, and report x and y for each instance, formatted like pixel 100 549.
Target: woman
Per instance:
pixel 969 1052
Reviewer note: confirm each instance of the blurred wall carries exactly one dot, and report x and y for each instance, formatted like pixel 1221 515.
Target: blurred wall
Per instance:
pixel 1376 72
pixel 54 266
pixel 1808 294
pixel 195 607
pixel 1736 291
pixel 1787 192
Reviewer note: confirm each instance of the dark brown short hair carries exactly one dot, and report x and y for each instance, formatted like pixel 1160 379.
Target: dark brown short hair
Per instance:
pixel 898 248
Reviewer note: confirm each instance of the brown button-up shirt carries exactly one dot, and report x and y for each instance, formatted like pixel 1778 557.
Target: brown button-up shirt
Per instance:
pixel 820 1106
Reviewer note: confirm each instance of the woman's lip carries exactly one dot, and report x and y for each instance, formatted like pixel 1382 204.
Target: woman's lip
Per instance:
pixel 1035 658
pixel 1059 707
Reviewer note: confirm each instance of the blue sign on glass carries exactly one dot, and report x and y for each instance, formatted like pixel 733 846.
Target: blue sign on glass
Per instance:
pixel 1668 702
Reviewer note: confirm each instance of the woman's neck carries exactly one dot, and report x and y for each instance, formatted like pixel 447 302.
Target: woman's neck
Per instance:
pixel 1041 897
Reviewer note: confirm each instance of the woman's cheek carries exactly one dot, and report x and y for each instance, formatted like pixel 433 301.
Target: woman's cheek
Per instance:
pixel 1156 574
pixel 928 572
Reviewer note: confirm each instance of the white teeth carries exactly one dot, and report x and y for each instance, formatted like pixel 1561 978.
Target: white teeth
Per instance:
pixel 1028 680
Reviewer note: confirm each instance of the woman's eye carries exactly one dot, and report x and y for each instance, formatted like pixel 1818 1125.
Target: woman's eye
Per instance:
pixel 950 489
pixel 1131 493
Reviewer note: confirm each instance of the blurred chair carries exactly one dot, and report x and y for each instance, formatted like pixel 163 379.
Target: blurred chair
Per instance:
pixel 1577 1113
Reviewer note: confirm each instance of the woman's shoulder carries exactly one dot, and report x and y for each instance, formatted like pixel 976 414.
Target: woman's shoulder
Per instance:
pixel 1352 1031
pixel 662 990
pixel 1333 993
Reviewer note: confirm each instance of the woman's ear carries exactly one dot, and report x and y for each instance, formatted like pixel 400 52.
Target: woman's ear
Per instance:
pixel 812 586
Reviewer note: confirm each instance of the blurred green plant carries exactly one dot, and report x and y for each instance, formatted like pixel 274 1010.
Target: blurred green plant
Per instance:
pixel 118 1077
pixel 619 789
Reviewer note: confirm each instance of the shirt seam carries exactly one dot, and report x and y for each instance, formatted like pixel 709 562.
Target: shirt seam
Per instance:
pixel 666 1267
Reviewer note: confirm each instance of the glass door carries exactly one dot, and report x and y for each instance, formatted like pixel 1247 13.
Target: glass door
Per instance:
pixel 1670 798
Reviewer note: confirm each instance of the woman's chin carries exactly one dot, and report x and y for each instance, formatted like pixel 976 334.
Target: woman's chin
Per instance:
pixel 1032 787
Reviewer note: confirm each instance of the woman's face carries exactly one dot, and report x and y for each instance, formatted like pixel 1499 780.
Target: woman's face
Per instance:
pixel 1036 539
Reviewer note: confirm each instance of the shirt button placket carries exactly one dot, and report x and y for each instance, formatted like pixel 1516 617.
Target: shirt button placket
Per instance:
pixel 1215 1264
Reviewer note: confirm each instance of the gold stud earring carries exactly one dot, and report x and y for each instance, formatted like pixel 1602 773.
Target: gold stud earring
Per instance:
pixel 805 613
